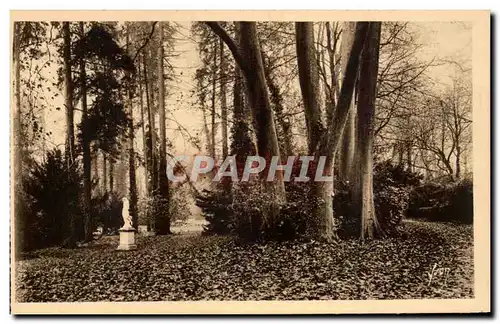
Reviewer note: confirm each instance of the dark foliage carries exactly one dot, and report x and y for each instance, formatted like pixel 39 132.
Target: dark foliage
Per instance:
pixel 450 202
pixel 216 204
pixel 245 211
pixel 392 185
pixel 100 43
pixel 160 212
pixel 390 207
pixel 385 173
pixel 50 197
pixel 106 123
pixel 107 211
pixel 217 210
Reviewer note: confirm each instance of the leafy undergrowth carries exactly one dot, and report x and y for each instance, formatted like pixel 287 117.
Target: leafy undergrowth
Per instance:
pixel 194 267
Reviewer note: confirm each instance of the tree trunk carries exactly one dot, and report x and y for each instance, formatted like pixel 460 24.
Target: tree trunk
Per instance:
pixel 111 175
pixel 267 141
pixel 152 132
pixel 70 136
pixel 17 129
pixel 284 131
pixel 17 160
pixel 163 219
pixel 95 165
pixel 242 145
pixel 409 159
pixel 148 149
pixel 131 154
pixel 104 173
pixel 249 59
pixel 87 195
pixel 131 165
pixel 363 176
pixel 206 130
pixel 308 79
pixel 457 161
pixel 214 82
pixel 223 100
pixel 346 152
pixel 322 222
pixel 143 129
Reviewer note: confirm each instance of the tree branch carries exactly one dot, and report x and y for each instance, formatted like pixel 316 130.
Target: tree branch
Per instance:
pixel 219 31
pixel 146 41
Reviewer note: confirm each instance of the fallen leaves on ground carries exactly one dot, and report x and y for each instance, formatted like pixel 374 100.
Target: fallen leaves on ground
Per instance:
pixel 195 267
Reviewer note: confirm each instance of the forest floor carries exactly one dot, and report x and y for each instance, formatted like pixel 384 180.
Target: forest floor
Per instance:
pixel 431 260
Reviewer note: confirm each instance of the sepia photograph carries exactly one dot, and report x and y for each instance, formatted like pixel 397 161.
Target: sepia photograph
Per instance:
pixel 250 163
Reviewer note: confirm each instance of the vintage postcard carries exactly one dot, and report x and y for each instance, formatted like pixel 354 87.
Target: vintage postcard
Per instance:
pixel 250 162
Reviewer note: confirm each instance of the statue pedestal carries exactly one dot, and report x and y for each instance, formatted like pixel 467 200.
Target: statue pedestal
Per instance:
pixel 127 239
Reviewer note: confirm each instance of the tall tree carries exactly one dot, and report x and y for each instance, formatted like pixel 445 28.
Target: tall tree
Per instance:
pixel 326 144
pixel 131 136
pixel 163 218
pixel 223 100
pixel 151 128
pixel 346 152
pixel 308 79
pixel 248 56
pixel 212 111
pixel 111 175
pixel 87 195
pixel 17 133
pixel 147 168
pixel 104 172
pixel 70 136
pixel 284 130
pixel 241 144
pixel 363 177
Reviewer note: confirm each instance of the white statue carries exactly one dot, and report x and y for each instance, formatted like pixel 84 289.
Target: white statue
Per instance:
pixel 127 220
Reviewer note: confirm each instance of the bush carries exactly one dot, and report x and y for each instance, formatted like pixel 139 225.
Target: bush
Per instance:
pixel 448 202
pixel 386 173
pixel 158 211
pixel 391 204
pixel 462 203
pixel 180 202
pixel 258 216
pixel 48 200
pixel 252 214
pixel 392 185
pixel 107 210
pixel 216 208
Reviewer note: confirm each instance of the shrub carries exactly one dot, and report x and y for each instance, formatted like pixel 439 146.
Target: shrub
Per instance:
pixel 158 211
pixel 391 204
pixel 216 208
pixel 49 199
pixel 249 210
pixel 386 173
pixel 251 213
pixel 462 203
pixel 107 211
pixel 296 211
pixel 392 185
pixel 448 202
pixel 258 216
pixel 180 201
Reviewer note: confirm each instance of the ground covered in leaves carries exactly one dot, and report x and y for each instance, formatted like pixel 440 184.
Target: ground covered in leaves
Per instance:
pixel 431 260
